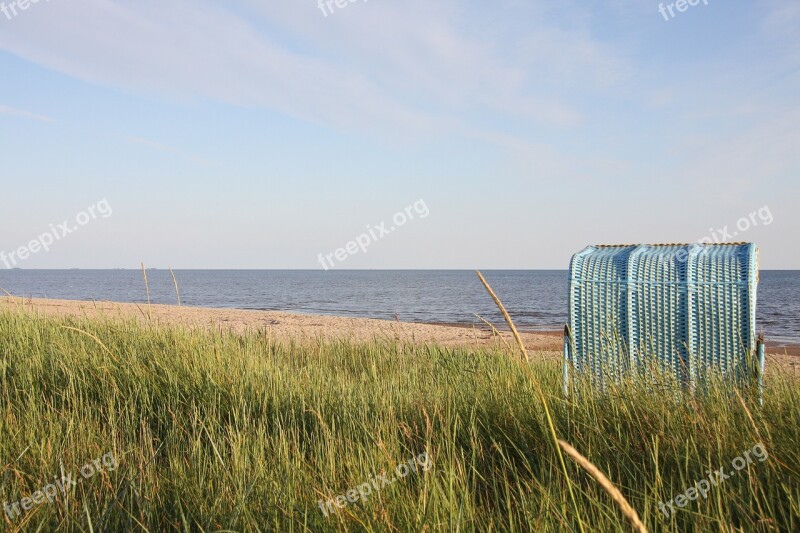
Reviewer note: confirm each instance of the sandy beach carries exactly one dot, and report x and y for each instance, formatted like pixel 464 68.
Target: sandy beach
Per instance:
pixel 301 327
pixel 287 326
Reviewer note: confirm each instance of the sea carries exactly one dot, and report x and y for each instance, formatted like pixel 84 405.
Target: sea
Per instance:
pixel 535 299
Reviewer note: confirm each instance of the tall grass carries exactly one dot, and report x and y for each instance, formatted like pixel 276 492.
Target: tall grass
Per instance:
pixel 218 431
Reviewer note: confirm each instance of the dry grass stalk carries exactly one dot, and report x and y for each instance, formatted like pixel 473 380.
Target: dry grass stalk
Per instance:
pixel 494 331
pixel 626 508
pixel 175 281
pixel 147 288
pixel 505 315
pixel 539 390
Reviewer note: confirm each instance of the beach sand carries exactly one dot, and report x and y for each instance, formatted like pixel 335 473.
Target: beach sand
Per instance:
pixel 288 326
pixel 299 327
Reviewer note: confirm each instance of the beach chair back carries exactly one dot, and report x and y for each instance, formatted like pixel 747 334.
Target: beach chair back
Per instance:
pixel 645 311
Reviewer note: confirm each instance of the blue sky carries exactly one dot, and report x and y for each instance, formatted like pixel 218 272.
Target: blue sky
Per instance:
pixel 247 134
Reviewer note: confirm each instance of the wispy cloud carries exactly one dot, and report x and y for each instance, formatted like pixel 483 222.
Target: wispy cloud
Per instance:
pixel 384 67
pixel 168 149
pixel 782 24
pixel 6 110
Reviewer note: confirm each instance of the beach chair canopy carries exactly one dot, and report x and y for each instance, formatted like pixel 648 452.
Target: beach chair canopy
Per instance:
pixel 683 309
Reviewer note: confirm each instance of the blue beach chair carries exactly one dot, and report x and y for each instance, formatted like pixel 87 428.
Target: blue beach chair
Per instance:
pixel 684 310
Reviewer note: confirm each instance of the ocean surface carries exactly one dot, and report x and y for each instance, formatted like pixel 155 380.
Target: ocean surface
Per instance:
pixel 536 299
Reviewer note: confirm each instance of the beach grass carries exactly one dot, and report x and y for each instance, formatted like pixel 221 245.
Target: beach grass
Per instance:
pixel 216 431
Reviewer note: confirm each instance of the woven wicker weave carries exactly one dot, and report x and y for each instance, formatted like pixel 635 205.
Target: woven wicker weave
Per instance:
pixel 675 308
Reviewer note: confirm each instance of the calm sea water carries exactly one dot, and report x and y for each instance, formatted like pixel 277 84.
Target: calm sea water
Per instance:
pixel 537 300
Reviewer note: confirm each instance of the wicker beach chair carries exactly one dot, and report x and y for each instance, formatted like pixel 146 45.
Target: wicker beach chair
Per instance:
pixel 679 310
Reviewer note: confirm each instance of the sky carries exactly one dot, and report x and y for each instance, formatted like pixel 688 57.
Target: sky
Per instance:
pixel 505 134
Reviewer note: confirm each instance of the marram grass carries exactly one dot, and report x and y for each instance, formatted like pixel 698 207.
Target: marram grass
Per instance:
pixel 223 432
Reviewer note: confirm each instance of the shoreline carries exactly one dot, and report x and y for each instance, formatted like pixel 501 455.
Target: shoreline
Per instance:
pixel 301 326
